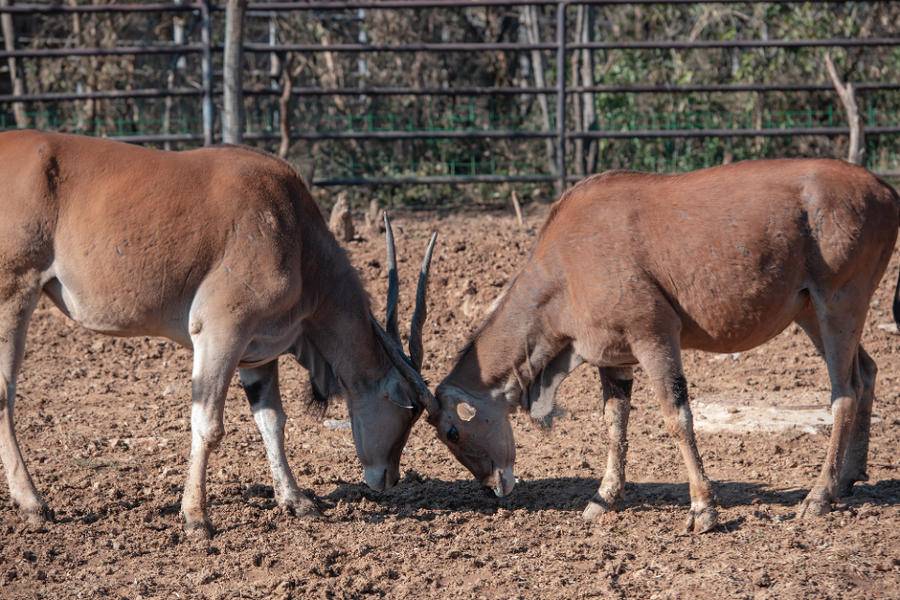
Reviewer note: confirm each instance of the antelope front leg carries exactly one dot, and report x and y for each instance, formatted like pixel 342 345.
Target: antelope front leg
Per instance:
pixel 261 386
pixel 215 359
pixel 663 365
pixel 15 311
pixel 616 406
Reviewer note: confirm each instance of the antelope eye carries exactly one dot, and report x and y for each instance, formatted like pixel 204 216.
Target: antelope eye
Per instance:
pixel 453 434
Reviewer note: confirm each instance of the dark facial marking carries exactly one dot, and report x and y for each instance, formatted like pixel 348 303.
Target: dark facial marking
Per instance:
pixel 254 392
pixel 453 434
pixel 680 391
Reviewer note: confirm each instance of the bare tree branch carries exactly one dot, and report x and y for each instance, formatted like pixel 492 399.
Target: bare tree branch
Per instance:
pixel 847 94
pixel 284 108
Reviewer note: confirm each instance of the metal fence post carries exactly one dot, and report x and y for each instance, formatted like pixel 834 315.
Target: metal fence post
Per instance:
pixel 561 93
pixel 206 72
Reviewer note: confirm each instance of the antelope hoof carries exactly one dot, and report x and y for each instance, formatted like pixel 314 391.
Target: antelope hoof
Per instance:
pixel 701 521
pixel 300 506
pixel 201 528
pixel 597 507
pixel 845 488
pixel 36 517
pixel 812 508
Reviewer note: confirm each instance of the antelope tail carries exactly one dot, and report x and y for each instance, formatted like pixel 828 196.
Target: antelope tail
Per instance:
pixel 896 307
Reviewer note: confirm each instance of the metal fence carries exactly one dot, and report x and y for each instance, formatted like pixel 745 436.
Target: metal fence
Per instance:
pixel 561 46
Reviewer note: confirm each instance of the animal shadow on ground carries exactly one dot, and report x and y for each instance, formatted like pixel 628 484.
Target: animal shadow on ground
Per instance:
pixel 569 494
pixel 572 494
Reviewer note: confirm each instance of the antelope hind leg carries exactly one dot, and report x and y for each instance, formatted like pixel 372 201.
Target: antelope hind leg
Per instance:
pixel 856 457
pixel 838 331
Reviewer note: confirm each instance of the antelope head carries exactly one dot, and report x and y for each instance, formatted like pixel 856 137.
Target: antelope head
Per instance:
pixel 380 429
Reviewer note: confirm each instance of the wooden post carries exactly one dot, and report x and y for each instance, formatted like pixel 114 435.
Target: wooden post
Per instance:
pixel 561 95
pixel 18 85
pixel 847 94
pixel 284 109
pixel 176 66
pixel 587 79
pixel 233 62
pixel 206 72
pixel 530 21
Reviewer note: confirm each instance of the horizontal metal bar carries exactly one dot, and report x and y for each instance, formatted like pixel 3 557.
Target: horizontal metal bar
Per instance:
pixel 419 4
pixel 404 135
pixel 433 179
pixel 447 47
pixel 698 133
pixel 113 51
pixel 387 5
pixel 406 91
pixel 615 89
pixel 729 87
pixel 102 95
pixel 157 138
pixel 628 2
pixel 97 8
pixel 707 44
pixel 882 174
pixel 521 47
pixel 638 134
pixel 414 47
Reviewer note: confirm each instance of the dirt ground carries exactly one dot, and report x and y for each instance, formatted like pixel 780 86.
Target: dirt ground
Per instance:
pixel 104 425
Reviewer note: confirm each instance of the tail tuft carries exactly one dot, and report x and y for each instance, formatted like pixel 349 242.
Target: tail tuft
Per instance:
pixel 897 304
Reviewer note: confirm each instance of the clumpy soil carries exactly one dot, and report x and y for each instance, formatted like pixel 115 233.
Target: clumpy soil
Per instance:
pixel 104 426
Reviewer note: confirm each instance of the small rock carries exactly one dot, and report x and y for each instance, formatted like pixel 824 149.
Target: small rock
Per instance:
pixel 336 424
pixel 374 218
pixel 889 327
pixel 341 221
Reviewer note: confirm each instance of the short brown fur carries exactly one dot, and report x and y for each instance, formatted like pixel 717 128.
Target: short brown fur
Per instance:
pixel 631 268
pixel 219 249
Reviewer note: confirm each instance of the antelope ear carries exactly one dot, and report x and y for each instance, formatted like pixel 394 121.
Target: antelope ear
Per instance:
pixel 541 395
pixel 400 401
pixel 396 393
pixel 465 411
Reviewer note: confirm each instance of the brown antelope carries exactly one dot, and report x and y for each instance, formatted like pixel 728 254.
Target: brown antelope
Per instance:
pixel 221 250
pixel 631 268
